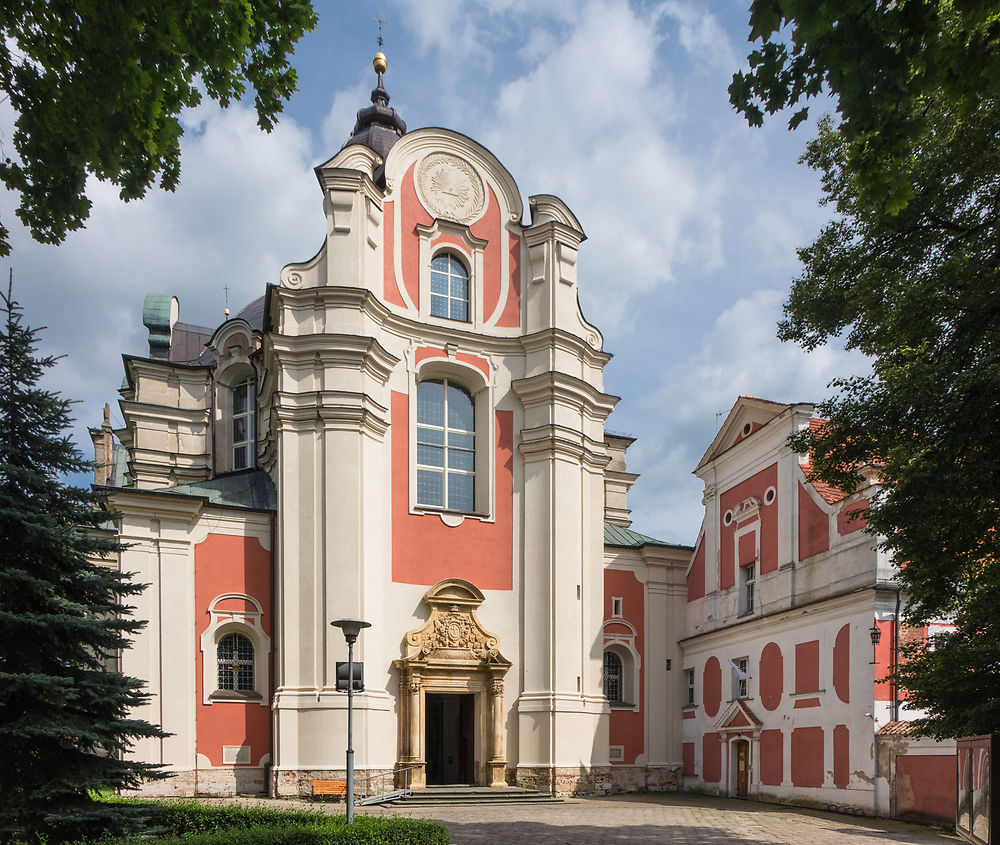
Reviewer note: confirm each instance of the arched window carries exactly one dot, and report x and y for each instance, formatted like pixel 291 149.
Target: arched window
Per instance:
pixel 235 655
pixel 449 288
pixel 613 677
pixel 446 446
pixel 243 419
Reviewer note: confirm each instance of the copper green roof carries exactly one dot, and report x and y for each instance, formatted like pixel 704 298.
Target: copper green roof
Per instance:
pixel 615 535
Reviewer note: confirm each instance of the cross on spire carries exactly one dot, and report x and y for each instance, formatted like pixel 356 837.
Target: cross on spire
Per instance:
pixel 380 21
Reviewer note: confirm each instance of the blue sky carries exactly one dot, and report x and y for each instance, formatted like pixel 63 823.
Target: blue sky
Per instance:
pixel 620 108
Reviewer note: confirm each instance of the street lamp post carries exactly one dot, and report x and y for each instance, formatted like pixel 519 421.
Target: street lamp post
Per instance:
pixel 351 629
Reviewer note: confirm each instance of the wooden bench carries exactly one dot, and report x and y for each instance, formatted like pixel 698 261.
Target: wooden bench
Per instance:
pixel 336 788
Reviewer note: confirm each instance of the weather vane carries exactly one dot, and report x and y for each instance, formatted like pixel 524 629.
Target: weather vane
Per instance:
pixel 379 62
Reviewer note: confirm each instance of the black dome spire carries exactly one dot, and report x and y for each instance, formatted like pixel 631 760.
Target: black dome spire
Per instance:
pixel 378 127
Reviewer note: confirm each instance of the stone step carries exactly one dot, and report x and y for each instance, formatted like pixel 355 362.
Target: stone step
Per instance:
pixel 478 795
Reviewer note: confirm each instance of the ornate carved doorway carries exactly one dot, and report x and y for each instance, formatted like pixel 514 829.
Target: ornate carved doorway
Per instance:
pixel 451 693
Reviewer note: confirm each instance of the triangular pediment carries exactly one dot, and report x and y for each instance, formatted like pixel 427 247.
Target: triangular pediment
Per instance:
pixel 738 718
pixel 744 418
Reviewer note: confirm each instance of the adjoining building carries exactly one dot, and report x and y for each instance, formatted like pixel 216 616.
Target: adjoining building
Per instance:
pixel 793 631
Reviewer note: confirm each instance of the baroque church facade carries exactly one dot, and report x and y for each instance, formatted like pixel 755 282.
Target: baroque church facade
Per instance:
pixel 411 428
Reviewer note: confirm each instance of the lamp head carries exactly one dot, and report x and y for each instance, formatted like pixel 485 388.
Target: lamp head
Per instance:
pixel 350 627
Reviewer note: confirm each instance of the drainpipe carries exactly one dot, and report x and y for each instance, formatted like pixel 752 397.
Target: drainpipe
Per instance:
pixel 895 658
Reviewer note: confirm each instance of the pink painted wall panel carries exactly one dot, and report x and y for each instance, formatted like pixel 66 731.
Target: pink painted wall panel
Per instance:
pixel 696 577
pixel 807 757
pixel 842 664
pixel 712 687
pixel 771 671
pixel 687 756
pixel 772 751
pixel 755 486
pixel 626 727
pixel 847 522
pixel 814 526
pixel 925 786
pixel 807 666
pixel 711 758
pixel 228 564
pixel 841 757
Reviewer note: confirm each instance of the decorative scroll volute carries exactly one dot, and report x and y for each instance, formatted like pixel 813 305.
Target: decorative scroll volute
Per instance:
pixel 452 634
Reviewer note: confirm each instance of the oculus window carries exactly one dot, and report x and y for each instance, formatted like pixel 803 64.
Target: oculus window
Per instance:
pixel 446 446
pixel 449 288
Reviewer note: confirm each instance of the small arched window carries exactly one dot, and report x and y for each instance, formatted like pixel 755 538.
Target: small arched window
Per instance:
pixel 235 656
pixel 449 288
pixel 446 446
pixel 243 424
pixel 613 677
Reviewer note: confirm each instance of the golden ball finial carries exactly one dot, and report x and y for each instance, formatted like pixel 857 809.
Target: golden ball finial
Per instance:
pixel 379 62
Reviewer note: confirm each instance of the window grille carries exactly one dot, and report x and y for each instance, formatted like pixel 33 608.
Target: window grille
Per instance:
pixel 690 685
pixel 235 655
pixel 613 677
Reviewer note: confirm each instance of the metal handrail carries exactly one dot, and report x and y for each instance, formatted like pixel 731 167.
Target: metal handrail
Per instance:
pixel 366 794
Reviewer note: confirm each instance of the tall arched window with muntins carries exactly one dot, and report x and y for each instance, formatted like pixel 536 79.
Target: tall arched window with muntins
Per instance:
pixel 243 419
pixel 449 288
pixel 446 446
pixel 613 677
pixel 235 655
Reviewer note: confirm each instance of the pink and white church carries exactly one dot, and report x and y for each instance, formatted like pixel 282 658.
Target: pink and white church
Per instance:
pixel 411 428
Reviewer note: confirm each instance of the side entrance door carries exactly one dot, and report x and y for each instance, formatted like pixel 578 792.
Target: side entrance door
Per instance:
pixel 742 768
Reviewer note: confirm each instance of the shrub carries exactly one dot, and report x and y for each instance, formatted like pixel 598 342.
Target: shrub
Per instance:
pixel 192 823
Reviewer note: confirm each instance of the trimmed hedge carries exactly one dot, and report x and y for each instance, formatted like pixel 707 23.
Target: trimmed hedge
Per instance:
pixel 365 830
pixel 193 823
pixel 183 818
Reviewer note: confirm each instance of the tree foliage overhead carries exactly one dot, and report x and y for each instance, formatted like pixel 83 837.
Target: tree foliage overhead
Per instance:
pixel 98 89
pixel 64 715
pixel 909 273
pixel 882 61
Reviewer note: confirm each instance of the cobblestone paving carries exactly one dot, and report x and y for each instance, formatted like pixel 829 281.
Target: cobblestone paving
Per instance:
pixel 676 818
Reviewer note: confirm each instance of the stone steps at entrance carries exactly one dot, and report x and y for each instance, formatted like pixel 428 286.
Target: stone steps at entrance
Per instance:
pixel 437 795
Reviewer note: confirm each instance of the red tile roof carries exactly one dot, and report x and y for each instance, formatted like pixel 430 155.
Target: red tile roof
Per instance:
pixel 897 729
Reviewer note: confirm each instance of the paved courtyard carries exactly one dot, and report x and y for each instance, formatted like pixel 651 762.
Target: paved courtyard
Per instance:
pixel 680 818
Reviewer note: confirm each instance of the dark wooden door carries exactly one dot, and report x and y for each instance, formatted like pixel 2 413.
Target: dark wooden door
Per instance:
pixel 742 768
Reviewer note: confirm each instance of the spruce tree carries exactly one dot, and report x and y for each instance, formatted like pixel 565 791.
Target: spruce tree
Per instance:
pixel 64 716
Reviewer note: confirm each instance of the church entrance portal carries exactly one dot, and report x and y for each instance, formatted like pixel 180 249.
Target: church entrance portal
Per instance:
pixel 451 725
pixel 450 737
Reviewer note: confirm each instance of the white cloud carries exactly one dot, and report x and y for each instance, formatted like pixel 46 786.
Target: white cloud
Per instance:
pixel 247 203
pixel 591 123
pixel 740 355
pixel 701 35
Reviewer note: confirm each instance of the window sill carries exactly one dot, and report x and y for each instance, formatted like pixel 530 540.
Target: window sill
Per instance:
pixel 235 695
pixel 621 705
pixel 451 518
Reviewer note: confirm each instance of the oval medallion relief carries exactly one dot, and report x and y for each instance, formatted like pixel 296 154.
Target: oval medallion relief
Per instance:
pixel 450 188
